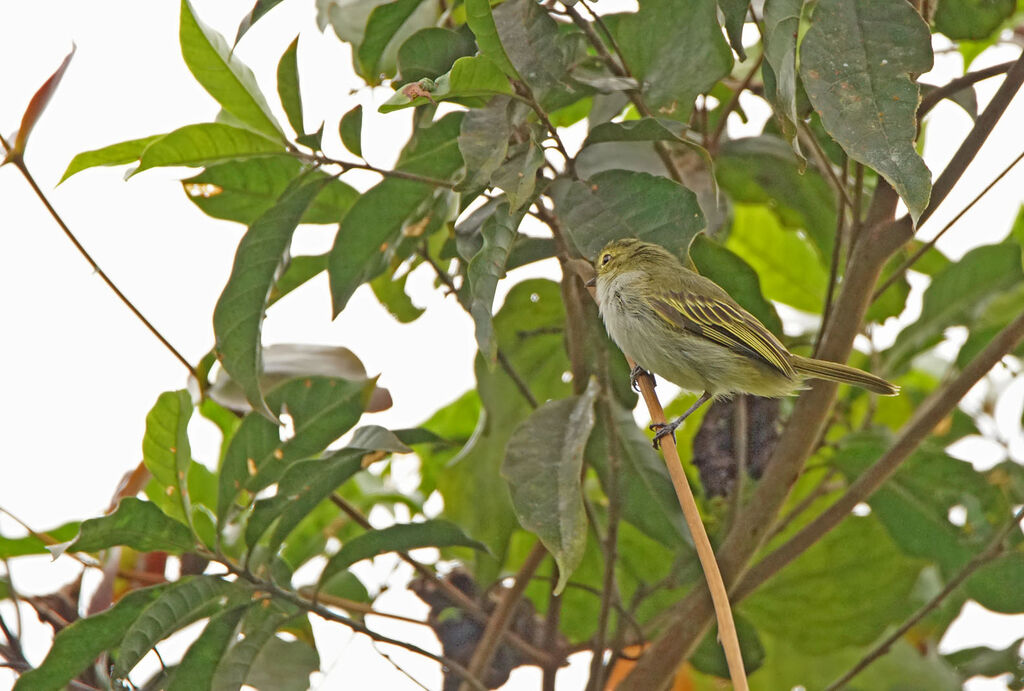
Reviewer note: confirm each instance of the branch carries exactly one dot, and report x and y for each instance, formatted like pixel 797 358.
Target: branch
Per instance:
pixel 928 415
pixel 321 159
pixel 932 98
pixel 988 554
pixel 19 163
pixel 716 135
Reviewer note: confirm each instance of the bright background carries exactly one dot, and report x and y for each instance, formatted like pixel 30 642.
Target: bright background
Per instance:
pixel 80 371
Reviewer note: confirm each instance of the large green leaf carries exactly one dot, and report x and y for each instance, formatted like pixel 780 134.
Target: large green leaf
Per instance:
pixel 79 644
pixel 288 86
pixel 206 144
pixel 112 155
pixel 254 15
pixel 997 585
pixel 483 140
pixel 845 590
pixel 481 22
pixel 781 24
pixel 166 451
pixel 238 316
pixel 430 52
pixel 858 60
pixel 735 14
pixel 283 665
pixel 35 544
pixel 180 604
pixel 789 268
pixel 620 204
pixel 321 408
pixel 677 49
pixel 472 77
pixel 375 221
pixel 137 524
pixel 400 537
pixel 258 629
pixel 223 75
pixel 972 19
pixel 485 270
pixel 244 190
pixel 384 26
pixel 544 469
pixel 197 667
pixel 955 296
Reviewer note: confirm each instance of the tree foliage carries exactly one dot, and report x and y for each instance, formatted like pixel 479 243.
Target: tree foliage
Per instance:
pixel 542 471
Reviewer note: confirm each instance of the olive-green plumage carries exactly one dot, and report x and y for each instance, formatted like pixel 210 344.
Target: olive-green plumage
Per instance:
pixel 682 326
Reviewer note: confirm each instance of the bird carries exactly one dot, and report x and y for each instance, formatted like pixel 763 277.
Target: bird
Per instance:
pixel 685 328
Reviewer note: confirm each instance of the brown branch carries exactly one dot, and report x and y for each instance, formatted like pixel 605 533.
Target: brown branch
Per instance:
pixel 19 163
pixel 928 415
pixel 551 630
pixel 837 248
pixel 502 616
pixel 932 98
pixel 988 554
pixel 716 135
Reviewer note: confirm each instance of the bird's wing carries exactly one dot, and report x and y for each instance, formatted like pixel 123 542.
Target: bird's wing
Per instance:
pixel 726 324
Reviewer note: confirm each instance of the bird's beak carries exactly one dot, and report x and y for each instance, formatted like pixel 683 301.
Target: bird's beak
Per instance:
pixel 591 283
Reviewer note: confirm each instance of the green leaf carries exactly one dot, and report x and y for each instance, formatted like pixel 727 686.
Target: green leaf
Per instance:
pixel 180 604
pixel 283 665
pixel 206 144
pixel 79 644
pixel 255 14
pixel 36 106
pixel 676 48
pixel 288 86
pixel 845 590
pixel 955 296
pixel 384 23
pixel 390 292
pixel 709 657
pixel 244 190
pixel 789 268
pixel 781 25
pixel 539 52
pixel 735 14
pixel 972 19
pixel 483 140
pixel 11 547
pixel 135 523
pixel 986 662
pixel 375 221
pixel 401 537
pixel 300 269
pixel 857 63
pixel 258 629
pixel 517 176
pixel 551 442
pixel 430 52
pixel 223 75
pixel 197 667
pixel 642 130
pixel 165 448
pixel 113 155
pixel 485 269
pixel 481 22
pixel 730 271
pixel 322 409
pixel 996 585
pixel 471 77
pixel 238 316
pixel 351 130
pixel 618 204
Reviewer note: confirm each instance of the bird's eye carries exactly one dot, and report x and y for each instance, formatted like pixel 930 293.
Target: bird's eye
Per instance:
pixel 605 259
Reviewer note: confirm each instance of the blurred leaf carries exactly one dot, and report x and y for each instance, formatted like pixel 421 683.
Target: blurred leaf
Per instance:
pixel 966 98
pixel 384 24
pixel 737 277
pixel 526 250
pixel 781 26
pixel 283 665
pixel 135 523
pixel 375 221
pixel 997 585
pixel 893 301
pixel 244 190
pixel 300 269
pixel 255 14
pixel 986 662
pixel 113 155
pixel 470 77
pixel 238 316
pixel 430 52
pixel 36 107
pixel 288 86
pixel 789 268
pixel 485 269
pixel 483 140
pixel 763 170
pixel 971 19
pixel 390 292
pixel 206 144
pixel 955 296
pixel 710 658
pixel 996 314
pixel 481 22
pixel 400 537
pixel 377 438
pixel 551 441
pixel 198 665
pixel 676 48
pixel 177 606
pixel 321 408
pixel 735 14
pixel 166 451
pixel 857 62
pixel 517 176
pixel 642 130
pixel 258 628
pixel 224 76
pixel 1017 232
pixel 11 547
pixel 619 204
pixel 351 130
pixel 76 646
pixel 844 590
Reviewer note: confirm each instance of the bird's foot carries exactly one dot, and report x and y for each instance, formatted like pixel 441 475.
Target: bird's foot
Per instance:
pixel 662 430
pixel 636 373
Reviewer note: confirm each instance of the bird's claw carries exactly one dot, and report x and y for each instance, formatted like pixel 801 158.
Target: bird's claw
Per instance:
pixel 636 373
pixel 662 430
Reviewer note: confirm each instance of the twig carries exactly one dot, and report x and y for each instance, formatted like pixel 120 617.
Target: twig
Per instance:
pixel 499 621
pixel 988 554
pixel 896 275
pixel 526 95
pixel 321 159
pixel 932 98
pixel 824 163
pixel 837 247
pixel 716 135
pixel 353 606
pixel 19 163
pixel 551 628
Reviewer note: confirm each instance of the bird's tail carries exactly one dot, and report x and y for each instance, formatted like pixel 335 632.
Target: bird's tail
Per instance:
pixel 833 371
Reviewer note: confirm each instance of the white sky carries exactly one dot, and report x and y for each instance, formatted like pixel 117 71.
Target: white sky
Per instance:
pixel 81 371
